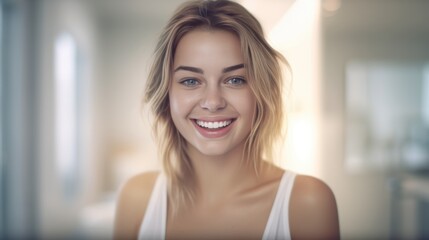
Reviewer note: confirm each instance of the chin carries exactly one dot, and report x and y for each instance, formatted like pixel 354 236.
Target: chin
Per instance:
pixel 215 150
pixel 212 152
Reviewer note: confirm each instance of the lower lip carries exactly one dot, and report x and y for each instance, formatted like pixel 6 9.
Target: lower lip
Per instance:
pixel 213 133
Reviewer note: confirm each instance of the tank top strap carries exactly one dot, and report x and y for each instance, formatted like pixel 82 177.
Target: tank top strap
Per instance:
pixel 153 225
pixel 278 222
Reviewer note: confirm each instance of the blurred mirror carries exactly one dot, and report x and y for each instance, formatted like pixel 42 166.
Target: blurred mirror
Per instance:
pixel 387 116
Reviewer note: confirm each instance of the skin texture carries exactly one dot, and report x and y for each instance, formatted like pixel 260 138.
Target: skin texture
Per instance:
pixel 231 201
pixel 207 92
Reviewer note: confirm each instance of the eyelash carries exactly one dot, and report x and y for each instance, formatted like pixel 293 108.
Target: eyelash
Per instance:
pixel 241 79
pixel 186 82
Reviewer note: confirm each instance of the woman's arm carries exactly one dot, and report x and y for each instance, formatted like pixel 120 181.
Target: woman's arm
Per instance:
pixel 131 206
pixel 313 210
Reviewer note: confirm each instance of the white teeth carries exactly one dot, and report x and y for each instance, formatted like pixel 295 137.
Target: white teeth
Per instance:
pixel 213 125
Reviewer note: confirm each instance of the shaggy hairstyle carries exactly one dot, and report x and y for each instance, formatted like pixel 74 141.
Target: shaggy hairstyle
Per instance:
pixel 264 78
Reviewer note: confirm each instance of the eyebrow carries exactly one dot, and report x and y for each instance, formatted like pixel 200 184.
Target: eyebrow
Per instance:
pixel 199 70
pixel 191 69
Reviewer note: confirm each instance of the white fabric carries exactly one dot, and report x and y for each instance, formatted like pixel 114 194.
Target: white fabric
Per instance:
pixel 278 222
pixel 154 222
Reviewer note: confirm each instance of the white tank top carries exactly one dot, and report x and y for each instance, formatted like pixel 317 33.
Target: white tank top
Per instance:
pixel 154 222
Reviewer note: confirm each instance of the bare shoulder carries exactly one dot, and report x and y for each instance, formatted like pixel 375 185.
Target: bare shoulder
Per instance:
pixel 139 185
pixel 131 205
pixel 312 190
pixel 313 209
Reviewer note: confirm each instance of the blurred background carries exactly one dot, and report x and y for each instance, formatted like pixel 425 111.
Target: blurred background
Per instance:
pixel 73 129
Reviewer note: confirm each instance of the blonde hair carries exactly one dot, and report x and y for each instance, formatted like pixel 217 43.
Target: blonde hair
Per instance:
pixel 265 80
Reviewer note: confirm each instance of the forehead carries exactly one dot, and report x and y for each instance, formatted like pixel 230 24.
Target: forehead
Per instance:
pixel 208 47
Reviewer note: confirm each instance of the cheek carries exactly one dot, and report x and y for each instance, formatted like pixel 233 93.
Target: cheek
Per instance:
pixel 245 103
pixel 174 105
pixel 180 104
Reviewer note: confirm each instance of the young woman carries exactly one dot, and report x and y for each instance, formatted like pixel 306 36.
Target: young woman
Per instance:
pixel 215 89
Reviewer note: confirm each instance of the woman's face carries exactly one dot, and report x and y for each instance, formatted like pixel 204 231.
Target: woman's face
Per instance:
pixel 211 102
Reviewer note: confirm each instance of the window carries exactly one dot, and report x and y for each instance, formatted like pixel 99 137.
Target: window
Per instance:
pixel 66 109
pixel 387 116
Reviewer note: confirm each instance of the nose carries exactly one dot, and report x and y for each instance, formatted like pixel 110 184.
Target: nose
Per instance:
pixel 213 99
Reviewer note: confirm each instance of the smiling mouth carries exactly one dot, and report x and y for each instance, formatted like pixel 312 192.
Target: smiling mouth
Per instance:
pixel 213 124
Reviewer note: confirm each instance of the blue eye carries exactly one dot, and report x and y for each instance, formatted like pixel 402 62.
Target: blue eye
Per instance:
pixel 236 81
pixel 190 82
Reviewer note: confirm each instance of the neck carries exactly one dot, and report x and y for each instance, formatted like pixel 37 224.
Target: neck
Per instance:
pixel 220 176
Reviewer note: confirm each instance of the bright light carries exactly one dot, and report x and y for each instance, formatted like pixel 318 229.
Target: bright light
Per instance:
pixel 66 106
pixel 296 36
